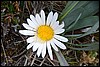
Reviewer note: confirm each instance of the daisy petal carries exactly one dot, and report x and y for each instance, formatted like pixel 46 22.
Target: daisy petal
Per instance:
pixel 54 46
pixel 34 20
pixel 40 50
pixel 27 26
pixel 38 19
pixel 54 18
pixel 55 25
pixel 62 25
pixel 59 31
pixel 49 50
pixel 44 50
pixel 49 18
pixel 43 16
pixel 30 39
pixel 30 45
pixel 59 44
pixel 36 46
pixel 63 39
pixel 31 23
pixel 27 32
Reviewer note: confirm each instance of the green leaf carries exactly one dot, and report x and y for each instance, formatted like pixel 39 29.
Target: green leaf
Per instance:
pixel 93 46
pixel 80 45
pixel 81 4
pixel 72 17
pixel 89 21
pixel 61 58
pixel 70 5
pixel 90 9
pixel 73 9
pixel 72 25
pixel 74 35
pixel 92 30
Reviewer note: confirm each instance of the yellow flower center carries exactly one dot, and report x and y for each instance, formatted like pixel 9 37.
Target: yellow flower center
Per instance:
pixel 45 32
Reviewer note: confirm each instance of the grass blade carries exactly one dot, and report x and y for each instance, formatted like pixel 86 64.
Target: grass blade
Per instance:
pixel 94 46
pixel 92 30
pixel 68 9
pixel 61 58
pixel 72 25
pixel 89 21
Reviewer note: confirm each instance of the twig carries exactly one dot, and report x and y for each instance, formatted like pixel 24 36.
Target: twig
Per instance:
pixel 18 42
pixel 33 60
pixel 72 34
pixel 25 60
pixel 72 62
pixel 18 61
pixel 22 38
pixel 51 62
pixel 18 54
pixel 35 64
pixel 76 57
pixel 55 61
pixel 34 9
pixel 22 16
pixel 42 61
pixel 78 41
pixel 15 34
pixel 27 6
pixel 31 55
pixel 4 51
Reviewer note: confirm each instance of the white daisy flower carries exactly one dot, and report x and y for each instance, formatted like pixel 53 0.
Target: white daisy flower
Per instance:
pixel 44 33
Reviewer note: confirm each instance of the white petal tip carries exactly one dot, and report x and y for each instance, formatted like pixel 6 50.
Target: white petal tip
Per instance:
pixel 66 40
pixel 31 15
pixel 43 55
pixel 30 46
pixel 42 11
pixel 38 54
pixel 33 50
pixel 64 48
pixel 57 50
pixel 56 13
pixel 20 31
pixel 27 48
pixel 51 58
pixel 23 23
pixel 51 11
pixel 63 22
